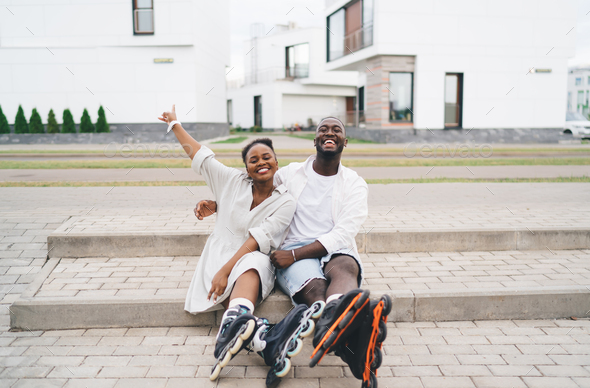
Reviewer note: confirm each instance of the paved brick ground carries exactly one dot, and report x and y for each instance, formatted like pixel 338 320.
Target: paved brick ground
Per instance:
pixel 547 353
pixel 171 276
pixel 482 354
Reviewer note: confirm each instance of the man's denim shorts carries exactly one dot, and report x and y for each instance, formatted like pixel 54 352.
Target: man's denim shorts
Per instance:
pixel 292 279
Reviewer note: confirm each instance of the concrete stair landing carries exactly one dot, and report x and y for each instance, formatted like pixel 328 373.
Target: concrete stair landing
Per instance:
pixel 102 292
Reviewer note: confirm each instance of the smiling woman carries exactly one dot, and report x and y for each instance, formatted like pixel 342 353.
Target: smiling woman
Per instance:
pixel 252 218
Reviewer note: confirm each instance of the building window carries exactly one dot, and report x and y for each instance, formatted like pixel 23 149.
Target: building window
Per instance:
pixel 580 100
pixel 578 81
pixel 401 107
pixel 589 80
pixel 297 61
pixel 336 35
pixel 258 111
pixel 229 112
pixel 143 17
pixel 350 29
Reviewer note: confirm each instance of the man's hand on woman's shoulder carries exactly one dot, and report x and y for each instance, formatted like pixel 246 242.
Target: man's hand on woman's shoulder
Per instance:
pixel 205 208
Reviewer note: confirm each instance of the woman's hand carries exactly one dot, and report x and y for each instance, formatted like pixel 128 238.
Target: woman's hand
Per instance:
pixel 218 285
pixel 168 117
pixel 205 208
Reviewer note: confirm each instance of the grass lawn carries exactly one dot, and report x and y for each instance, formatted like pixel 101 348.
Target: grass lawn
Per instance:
pixel 231 140
pixel 369 181
pixel 235 162
pixel 349 151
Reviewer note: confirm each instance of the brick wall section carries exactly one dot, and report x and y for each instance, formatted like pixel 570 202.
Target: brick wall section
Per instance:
pixel 376 90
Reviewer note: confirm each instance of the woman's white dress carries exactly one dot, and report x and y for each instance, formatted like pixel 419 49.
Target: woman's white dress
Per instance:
pixel 267 223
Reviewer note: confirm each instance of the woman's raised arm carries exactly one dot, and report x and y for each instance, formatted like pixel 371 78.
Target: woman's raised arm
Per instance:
pixel 188 143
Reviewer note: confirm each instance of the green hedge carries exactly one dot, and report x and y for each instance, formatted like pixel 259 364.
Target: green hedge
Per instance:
pixel 20 122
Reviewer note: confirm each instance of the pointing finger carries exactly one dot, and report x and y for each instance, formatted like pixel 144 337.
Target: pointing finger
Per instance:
pixel 173 107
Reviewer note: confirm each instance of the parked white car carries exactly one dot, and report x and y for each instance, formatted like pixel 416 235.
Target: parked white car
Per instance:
pixel 576 124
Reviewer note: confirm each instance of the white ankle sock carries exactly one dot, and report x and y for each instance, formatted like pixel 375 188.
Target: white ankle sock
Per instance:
pixel 242 302
pixel 332 297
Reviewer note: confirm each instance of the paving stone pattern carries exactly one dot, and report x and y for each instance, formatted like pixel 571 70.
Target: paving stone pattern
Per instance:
pixel 171 276
pixel 546 353
pixel 428 354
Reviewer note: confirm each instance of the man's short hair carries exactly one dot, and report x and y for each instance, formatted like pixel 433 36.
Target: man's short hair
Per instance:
pixel 331 117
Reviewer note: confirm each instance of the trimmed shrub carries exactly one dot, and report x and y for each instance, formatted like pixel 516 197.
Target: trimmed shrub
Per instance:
pixel 68 125
pixel 86 125
pixel 52 125
pixel 4 128
pixel 20 122
pixel 255 128
pixel 101 123
pixel 35 123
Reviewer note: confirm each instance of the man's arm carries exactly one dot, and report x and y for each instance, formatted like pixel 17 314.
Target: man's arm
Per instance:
pixel 283 259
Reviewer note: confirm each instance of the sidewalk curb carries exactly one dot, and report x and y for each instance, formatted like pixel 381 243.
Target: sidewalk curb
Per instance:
pixel 408 306
pixel 146 244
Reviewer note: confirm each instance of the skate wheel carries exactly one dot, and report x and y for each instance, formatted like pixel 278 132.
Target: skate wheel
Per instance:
pixel 330 340
pixel 372 383
pixel 308 329
pixel 215 372
pixel 226 359
pixel 316 358
pixel 297 350
pixel 346 320
pixel 382 332
pixel 237 346
pixel 377 360
pixel 250 326
pixel 361 301
pixel 386 305
pixel 319 306
pixel 286 367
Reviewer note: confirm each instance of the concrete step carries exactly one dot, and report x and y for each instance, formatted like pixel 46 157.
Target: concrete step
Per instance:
pixel 71 240
pixel 150 291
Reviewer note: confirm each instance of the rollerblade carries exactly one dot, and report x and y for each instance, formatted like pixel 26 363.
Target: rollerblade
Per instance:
pixel 236 331
pixel 362 351
pixel 283 340
pixel 341 317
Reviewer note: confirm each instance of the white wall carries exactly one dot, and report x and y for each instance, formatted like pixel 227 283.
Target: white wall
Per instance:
pixel 298 108
pixel 277 98
pixel 94 40
pixel 493 43
pixel 270 54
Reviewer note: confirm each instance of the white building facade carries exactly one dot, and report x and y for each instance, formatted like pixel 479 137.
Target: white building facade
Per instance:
pixel 285 82
pixel 578 90
pixel 133 57
pixel 454 63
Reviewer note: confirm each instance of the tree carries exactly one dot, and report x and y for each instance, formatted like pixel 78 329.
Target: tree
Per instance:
pixel 20 122
pixel 86 125
pixel 68 125
pixel 36 125
pixel 4 128
pixel 101 123
pixel 52 125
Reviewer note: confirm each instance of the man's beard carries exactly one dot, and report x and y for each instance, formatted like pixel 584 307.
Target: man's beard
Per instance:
pixel 329 153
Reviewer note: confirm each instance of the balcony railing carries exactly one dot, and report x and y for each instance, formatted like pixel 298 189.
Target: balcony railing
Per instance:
pixel 355 41
pixel 269 75
pixel 298 71
pixel 359 39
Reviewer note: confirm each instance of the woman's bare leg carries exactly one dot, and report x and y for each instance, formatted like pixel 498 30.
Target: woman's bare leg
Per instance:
pixel 246 286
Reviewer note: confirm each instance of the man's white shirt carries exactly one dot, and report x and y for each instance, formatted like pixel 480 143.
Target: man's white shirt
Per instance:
pixel 313 217
pixel 348 208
